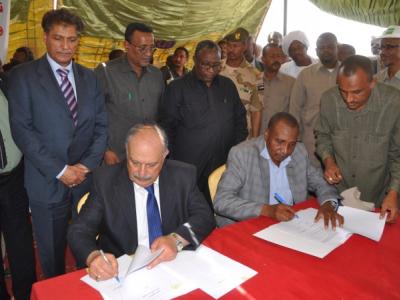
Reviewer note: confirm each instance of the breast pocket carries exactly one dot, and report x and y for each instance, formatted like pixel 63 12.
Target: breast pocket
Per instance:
pixel 195 111
pixel 375 148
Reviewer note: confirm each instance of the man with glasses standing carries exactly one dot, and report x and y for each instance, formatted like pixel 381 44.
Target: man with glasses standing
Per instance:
pixel 203 115
pixel 390 56
pixel 132 88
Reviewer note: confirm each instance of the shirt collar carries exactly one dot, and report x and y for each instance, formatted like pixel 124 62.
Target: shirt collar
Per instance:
pixel 265 154
pixel 55 66
pixel 196 79
pixel 278 76
pixel 321 67
pixel 155 183
pixel 126 66
pixel 397 75
pixel 386 75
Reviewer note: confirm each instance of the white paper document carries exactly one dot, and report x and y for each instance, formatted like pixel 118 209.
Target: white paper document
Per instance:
pixel 143 256
pixel 204 268
pixel 363 222
pixel 209 270
pixel 305 235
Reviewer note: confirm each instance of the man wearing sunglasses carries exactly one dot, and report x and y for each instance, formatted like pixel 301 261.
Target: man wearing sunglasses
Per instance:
pixel 390 56
pixel 132 88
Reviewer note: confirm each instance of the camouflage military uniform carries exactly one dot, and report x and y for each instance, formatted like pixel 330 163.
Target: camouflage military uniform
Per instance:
pixel 249 83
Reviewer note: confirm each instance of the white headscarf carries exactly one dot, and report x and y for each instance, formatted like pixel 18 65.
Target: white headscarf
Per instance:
pixel 294 36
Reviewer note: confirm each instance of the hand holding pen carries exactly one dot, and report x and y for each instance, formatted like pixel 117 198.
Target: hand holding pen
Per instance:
pixel 103 267
pixel 283 211
pixel 110 264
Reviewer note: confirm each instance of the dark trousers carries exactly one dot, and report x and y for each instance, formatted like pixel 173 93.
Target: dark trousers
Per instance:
pixel 50 223
pixel 17 231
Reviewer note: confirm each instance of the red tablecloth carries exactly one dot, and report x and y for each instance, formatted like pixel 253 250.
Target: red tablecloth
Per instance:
pixel 359 269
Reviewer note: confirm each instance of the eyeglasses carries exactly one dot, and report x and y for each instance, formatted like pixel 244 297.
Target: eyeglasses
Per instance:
pixel 213 67
pixel 388 47
pixel 144 49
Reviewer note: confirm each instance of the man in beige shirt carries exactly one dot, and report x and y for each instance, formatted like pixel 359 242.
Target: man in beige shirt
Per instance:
pixel 277 86
pixel 390 56
pixel 247 79
pixel 308 88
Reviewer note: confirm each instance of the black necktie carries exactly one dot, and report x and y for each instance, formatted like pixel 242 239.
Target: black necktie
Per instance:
pixel 3 157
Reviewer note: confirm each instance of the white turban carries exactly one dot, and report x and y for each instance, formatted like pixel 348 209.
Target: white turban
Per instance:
pixel 294 36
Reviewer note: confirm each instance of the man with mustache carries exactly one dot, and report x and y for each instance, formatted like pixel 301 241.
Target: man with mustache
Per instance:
pixel 277 86
pixel 308 88
pixel 275 163
pixel 145 200
pixel 390 56
pixel 58 121
pixel 358 135
pixel 132 88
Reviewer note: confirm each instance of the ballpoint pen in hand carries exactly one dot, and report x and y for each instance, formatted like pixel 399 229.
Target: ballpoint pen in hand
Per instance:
pixel 108 262
pixel 282 200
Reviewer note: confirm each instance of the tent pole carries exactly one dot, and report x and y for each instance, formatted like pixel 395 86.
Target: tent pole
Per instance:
pixel 285 4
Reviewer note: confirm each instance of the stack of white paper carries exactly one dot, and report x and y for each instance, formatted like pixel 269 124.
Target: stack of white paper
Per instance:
pixel 305 235
pixel 204 268
pixel 362 222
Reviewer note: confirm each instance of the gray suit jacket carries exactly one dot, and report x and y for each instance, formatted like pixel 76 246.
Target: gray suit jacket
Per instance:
pixel 244 187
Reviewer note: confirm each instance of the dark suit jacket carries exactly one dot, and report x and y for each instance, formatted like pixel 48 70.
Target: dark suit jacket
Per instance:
pixel 110 210
pixel 43 128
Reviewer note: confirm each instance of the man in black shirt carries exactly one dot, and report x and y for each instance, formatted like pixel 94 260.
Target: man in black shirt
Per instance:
pixel 203 115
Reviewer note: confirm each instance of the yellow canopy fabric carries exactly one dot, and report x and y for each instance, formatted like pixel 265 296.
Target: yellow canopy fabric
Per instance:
pixel 186 22
pixel 376 12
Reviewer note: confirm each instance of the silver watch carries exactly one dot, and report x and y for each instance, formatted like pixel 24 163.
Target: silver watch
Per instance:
pixel 178 242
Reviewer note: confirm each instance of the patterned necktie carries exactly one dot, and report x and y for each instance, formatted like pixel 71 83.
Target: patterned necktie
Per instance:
pixel 68 91
pixel 153 216
pixel 3 157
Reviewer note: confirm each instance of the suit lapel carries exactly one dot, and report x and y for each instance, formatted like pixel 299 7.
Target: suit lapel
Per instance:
pixel 166 190
pixel 49 83
pixel 80 84
pixel 264 171
pixel 125 196
pixel 263 165
pixel 290 172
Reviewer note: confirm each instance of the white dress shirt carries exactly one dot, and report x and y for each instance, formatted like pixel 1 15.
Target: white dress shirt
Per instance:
pixel 54 67
pixel 141 211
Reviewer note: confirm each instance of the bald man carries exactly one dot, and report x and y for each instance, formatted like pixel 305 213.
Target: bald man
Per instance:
pixel 146 201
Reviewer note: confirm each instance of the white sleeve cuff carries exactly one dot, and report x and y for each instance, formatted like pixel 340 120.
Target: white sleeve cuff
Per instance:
pixel 62 172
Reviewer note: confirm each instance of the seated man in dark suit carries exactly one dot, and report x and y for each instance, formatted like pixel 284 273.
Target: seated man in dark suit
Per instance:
pixel 265 176
pixel 118 211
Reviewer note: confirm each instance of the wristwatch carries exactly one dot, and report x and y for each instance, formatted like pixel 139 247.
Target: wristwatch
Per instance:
pixel 178 242
pixel 335 205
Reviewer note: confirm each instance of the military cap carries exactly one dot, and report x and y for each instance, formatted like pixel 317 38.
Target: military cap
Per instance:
pixel 238 35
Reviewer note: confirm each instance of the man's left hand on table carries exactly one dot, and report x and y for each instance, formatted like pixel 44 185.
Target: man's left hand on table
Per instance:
pixel 328 213
pixel 170 251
